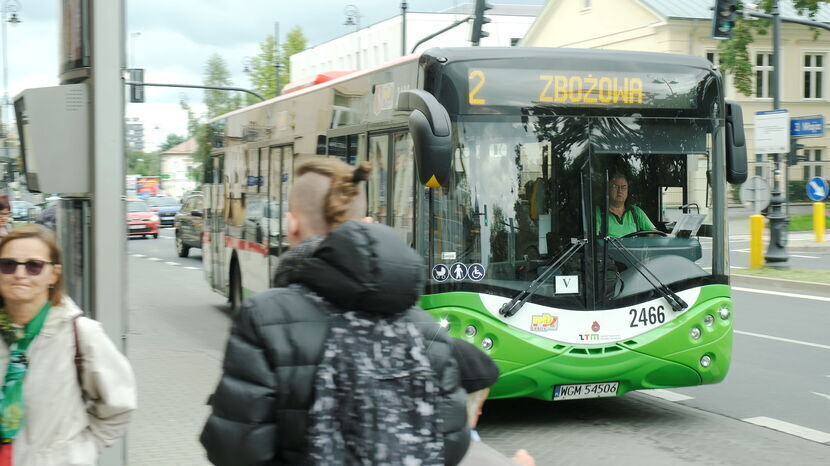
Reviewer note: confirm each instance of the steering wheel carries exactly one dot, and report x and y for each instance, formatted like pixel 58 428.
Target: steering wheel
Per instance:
pixel 644 233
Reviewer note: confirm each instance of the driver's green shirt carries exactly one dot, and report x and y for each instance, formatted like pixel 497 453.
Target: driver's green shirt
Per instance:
pixel 633 219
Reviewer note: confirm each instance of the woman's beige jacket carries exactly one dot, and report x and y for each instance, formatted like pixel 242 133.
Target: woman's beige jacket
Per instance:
pixel 60 428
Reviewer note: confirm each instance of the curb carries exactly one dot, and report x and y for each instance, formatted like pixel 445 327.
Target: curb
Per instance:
pixel 780 284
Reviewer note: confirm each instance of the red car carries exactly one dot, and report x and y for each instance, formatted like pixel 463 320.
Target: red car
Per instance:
pixel 141 220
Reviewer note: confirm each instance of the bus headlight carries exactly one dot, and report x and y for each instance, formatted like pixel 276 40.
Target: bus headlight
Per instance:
pixel 705 361
pixel 444 323
pixel 470 331
pixel 709 320
pixel 695 333
pixel 724 313
pixel 487 343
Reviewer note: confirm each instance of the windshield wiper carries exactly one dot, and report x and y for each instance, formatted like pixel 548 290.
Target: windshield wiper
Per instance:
pixel 511 307
pixel 675 301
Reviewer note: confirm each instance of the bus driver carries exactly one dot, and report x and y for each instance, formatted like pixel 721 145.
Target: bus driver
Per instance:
pixel 623 219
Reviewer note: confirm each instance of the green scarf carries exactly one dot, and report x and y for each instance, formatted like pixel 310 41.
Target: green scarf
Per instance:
pixel 18 338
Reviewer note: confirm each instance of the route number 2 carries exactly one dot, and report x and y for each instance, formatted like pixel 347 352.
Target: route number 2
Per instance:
pixel 645 317
pixel 472 99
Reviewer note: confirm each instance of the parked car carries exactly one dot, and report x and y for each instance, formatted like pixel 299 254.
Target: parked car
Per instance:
pixel 166 208
pixel 24 211
pixel 141 220
pixel 188 224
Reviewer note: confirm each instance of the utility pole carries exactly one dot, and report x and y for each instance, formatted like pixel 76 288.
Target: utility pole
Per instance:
pixel 277 58
pixel 403 28
pixel 777 249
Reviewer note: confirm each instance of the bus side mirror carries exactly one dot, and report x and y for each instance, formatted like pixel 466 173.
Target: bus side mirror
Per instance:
pixel 431 132
pixel 736 166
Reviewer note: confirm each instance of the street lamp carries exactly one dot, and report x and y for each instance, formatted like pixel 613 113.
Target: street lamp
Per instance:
pixel 353 19
pixel 8 14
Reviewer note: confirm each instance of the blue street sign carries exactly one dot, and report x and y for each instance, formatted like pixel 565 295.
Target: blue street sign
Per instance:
pixel 807 127
pixel 817 188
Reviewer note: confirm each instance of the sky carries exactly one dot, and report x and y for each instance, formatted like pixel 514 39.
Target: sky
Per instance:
pixel 172 40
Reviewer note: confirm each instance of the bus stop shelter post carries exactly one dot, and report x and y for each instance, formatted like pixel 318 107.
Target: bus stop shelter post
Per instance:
pixel 777 250
pixel 108 278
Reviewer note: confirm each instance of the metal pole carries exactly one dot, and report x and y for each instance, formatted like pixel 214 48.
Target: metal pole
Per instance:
pixel 403 28
pixel 108 245
pixel 5 82
pixel 277 58
pixel 194 86
pixel 776 251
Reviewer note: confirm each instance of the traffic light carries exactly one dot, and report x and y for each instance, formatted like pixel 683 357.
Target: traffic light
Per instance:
pixel 792 157
pixel 136 91
pixel 726 12
pixel 479 20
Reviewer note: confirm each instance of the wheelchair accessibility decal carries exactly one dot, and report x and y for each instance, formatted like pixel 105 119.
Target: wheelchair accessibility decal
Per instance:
pixel 458 272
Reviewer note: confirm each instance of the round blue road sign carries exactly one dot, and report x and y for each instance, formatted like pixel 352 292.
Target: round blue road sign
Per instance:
pixel 817 188
pixel 440 273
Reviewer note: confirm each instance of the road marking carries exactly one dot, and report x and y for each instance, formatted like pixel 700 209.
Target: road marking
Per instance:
pixel 821 394
pixel 781 293
pixel 667 395
pixel 153 259
pixel 172 263
pixel 197 268
pixel 786 340
pixel 139 255
pixel 788 428
pixel 791 255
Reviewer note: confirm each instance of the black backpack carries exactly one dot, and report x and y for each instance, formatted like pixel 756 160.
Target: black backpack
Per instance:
pixel 376 396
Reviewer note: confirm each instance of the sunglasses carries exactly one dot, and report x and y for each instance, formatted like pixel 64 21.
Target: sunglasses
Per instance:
pixel 33 267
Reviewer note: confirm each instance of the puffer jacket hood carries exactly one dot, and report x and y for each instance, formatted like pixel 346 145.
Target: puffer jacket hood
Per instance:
pixel 365 267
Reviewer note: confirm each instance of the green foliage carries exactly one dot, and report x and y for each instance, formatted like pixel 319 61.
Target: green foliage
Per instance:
pixel 295 41
pixel 218 101
pixel 172 140
pixel 142 163
pixel 263 66
pixel 734 54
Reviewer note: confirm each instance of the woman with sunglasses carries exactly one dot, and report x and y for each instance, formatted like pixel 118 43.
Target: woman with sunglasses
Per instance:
pixel 67 391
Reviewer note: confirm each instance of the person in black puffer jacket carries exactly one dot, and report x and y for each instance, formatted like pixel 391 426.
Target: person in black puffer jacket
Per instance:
pixel 264 405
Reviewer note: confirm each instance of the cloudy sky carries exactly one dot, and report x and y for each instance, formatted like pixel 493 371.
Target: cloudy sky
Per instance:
pixel 177 36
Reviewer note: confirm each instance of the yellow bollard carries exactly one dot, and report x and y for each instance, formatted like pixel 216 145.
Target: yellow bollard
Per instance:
pixel 819 221
pixel 756 244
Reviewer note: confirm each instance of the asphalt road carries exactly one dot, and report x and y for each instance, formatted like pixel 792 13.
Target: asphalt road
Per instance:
pixel 780 378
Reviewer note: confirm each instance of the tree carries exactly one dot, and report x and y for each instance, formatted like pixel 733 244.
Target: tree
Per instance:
pixel 217 74
pixel 142 163
pixel 263 65
pixel 171 141
pixel 734 54
pixel 295 42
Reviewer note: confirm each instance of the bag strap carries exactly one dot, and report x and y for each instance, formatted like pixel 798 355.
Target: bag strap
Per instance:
pixel 78 357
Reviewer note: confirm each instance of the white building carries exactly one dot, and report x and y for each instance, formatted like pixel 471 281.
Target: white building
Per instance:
pixel 177 162
pixel 379 43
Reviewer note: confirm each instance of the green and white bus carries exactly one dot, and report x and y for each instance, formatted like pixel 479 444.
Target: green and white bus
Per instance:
pixel 502 167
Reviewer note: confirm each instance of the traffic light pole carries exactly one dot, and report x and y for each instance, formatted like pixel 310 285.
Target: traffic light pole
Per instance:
pixel 777 250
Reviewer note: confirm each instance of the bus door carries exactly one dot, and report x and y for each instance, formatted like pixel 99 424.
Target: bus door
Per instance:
pixel 214 226
pixel 280 170
pixel 403 187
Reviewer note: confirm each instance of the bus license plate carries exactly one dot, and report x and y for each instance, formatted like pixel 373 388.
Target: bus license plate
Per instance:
pixel 585 390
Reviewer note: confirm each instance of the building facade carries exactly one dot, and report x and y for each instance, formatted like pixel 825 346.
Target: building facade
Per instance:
pixel 685 27
pixel 178 166
pixel 379 43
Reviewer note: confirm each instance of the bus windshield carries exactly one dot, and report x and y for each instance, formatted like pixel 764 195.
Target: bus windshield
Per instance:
pixel 527 187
